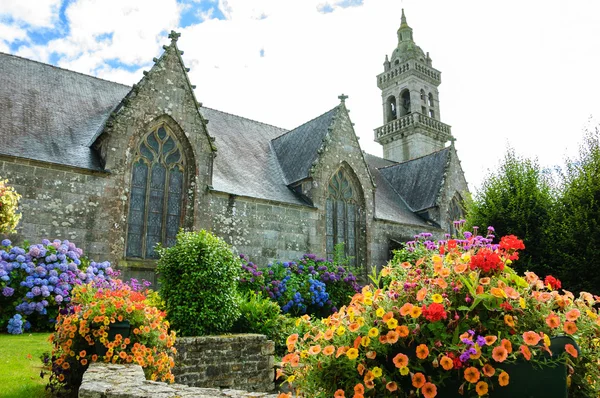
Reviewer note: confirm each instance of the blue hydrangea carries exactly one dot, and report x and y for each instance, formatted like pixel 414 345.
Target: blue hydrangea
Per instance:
pixel 15 324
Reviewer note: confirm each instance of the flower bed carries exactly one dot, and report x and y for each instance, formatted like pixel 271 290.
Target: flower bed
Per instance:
pixel 452 314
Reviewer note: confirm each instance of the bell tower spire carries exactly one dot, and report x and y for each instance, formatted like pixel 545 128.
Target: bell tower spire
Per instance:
pixel 410 98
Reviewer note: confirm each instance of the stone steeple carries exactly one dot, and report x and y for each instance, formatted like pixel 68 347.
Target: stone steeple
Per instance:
pixel 410 99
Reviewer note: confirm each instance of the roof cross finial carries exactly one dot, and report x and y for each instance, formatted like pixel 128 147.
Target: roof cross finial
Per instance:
pixel 343 98
pixel 174 36
pixel 403 19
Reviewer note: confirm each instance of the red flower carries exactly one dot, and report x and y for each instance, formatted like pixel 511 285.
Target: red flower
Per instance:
pixel 511 242
pixel 506 306
pixel 434 312
pixel 452 244
pixel 487 261
pixel 553 282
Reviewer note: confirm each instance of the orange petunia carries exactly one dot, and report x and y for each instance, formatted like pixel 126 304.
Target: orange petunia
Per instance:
pixel 429 390
pixel 389 315
pixel 421 294
pixel 314 350
pixel 371 354
pixel 481 388
pixel 472 374
pixel 509 320
pixel 292 339
pixel 422 351
pixel 353 327
pixel 485 281
pixel 446 363
pixel 405 309
pixel 444 272
pixel 402 331
pixel 341 351
pixel 571 350
pixel 328 334
pixel 418 380
pixel 383 338
pixel 503 379
pixel 328 350
pixel 525 351
pixel 488 370
pixel 506 344
pixel 573 315
pixel 370 384
pixel 499 354
pixel 570 327
pixel 360 369
pixel 359 388
pixel 339 394
pixel 391 386
pixel 401 360
pixel 392 337
pixel 441 283
pixel 553 321
pixel 531 338
pixel 489 340
pixel 460 268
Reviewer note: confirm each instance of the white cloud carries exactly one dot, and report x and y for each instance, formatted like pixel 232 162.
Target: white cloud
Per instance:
pixel 37 13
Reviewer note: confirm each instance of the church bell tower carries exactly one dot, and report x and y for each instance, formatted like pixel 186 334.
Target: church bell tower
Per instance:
pixel 411 108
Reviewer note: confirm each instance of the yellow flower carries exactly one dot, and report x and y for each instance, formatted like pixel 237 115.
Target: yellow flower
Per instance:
pixel 522 303
pixel 546 340
pixel 404 370
pixel 365 341
pixel 340 331
pixel 466 257
pixel 360 320
pixel 304 354
pixel 368 300
pixel 368 293
pixel 392 323
pixel 377 372
pixel 437 298
pixel 291 378
pixel 352 353
pixel 380 311
pixel 373 332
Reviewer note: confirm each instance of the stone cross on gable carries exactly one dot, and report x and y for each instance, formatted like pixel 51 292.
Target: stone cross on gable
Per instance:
pixel 174 35
pixel 343 97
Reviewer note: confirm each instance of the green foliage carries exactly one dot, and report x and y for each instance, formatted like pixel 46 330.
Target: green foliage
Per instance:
pixel 9 201
pixel 263 316
pixel 517 200
pixel 577 220
pixel 199 284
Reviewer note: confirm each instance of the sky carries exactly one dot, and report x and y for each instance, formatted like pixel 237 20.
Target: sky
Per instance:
pixel 519 74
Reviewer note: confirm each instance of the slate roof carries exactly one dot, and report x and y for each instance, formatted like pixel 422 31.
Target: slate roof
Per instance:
pixel 50 114
pixel 389 205
pixel 245 163
pixel 297 149
pixel 419 181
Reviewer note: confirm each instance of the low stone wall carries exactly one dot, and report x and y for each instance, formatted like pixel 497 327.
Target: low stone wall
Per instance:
pixel 243 361
pixel 128 381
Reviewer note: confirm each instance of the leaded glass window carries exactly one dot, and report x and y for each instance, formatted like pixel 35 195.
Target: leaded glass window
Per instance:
pixel 342 214
pixel 156 201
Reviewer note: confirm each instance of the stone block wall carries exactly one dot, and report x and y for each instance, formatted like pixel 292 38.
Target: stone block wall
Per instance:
pixel 234 361
pixel 103 380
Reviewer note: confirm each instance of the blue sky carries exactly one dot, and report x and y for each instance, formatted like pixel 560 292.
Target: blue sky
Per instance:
pixel 514 73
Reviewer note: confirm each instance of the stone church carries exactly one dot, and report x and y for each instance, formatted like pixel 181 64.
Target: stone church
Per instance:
pixel 117 169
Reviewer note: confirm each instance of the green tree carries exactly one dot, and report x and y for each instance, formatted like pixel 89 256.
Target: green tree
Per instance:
pixel 576 223
pixel 517 199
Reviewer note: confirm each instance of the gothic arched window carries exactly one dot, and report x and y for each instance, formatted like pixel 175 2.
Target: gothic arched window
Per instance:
pixel 343 214
pixel 455 213
pixel 430 98
pixel 157 187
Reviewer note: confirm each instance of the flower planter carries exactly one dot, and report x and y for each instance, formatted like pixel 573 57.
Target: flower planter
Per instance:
pixel 122 328
pixel 527 379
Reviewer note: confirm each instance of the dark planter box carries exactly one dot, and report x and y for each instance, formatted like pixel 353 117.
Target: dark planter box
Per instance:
pixel 122 328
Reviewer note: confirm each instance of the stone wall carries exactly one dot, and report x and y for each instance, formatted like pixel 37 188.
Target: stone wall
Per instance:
pixel 127 381
pixel 233 361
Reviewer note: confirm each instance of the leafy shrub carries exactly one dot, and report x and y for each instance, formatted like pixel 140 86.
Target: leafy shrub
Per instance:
pixel 85 324
pixel 310 286
pixel 9 201
pixel 35 282
pixel 456 318
pixel 199 284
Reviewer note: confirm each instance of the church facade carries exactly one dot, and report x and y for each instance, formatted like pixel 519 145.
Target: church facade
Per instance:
pixel 117 169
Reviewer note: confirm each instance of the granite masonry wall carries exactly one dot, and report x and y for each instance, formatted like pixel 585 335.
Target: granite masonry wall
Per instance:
pixel 128 381
pixel 243 361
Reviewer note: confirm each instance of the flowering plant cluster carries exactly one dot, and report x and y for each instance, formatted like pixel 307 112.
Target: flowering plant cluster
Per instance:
pixel 94 308
pixel 311 285
pixel 9 201
pixel 36 281
pixel 451 320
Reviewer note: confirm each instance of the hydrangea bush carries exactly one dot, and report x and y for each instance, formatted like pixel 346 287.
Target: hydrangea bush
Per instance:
pixel 311 285
pixel 450 321
pixel 36 281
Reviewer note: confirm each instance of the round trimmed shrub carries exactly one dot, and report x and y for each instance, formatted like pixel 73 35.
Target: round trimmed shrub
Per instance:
pixel 198 277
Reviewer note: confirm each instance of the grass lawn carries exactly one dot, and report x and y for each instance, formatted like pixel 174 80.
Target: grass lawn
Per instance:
pixel 20 365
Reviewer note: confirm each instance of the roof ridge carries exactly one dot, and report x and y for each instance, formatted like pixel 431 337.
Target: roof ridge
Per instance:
pixel 63 69
pixel 410 160
pixel 247 118
pixel 305 123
